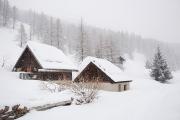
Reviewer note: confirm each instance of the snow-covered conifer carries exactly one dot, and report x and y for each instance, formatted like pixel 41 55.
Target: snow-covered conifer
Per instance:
pixel 160 70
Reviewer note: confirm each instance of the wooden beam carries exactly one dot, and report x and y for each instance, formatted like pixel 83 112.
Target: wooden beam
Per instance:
pixel 49 106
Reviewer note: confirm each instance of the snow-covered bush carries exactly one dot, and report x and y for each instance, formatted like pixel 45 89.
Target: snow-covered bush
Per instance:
pixel 3 62
pixel 85 92
pixel 51 86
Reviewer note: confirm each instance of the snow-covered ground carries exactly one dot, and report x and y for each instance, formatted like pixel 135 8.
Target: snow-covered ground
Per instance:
pixel 146 100
pixel 26 92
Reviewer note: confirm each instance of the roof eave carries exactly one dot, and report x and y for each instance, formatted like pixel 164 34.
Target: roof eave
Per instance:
pixel 122 81
pixel 60 70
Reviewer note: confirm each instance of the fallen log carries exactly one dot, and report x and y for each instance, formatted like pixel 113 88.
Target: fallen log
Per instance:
pixel 49 106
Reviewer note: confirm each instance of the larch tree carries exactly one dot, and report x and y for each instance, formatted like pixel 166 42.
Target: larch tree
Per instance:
pixel 42 27
pixel 98 53
pixel 51 29
pixel 58 34
pixel 160 70
pixel 30 33
pixel 6 12
pixel 108 49
pixel 1 6
pixel 22 36
pixel 1 11
pixel 99 47
pixel 32 23
pixel 14 16
pixel 82 38
pixel 112 55
pixel 45 29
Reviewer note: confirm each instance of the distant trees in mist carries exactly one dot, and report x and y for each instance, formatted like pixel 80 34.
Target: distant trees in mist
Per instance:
pixel 22 36
pixel 83 40
pixel 8 14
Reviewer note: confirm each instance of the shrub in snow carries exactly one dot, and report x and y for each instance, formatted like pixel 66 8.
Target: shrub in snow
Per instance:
pixel 51 86
pixel 160 70
pixel 85 92
pixel 3 62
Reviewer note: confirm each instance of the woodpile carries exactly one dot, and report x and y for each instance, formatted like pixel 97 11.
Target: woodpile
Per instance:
pixel 11 113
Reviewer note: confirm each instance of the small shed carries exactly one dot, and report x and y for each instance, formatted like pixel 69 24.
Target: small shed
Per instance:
pixel 110 77
pixel 44 62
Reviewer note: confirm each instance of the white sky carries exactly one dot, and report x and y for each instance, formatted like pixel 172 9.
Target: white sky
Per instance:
pixel 159 19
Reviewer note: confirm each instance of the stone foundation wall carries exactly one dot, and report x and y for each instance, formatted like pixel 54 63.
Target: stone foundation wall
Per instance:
pixel 116 87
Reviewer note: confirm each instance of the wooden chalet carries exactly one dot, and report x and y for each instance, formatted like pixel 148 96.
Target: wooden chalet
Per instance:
pixel 44 62
pixel 107 74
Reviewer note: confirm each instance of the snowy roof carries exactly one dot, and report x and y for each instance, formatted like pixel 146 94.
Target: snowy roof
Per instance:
pixel 111 70
pixel 50 57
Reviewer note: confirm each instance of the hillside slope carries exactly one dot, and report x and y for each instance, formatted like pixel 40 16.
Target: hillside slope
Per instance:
pixel 12 89
pixel 147 99
pixel 9 50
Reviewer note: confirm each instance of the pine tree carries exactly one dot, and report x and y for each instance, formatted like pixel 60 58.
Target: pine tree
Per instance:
pixel 160 70
pixel 22 36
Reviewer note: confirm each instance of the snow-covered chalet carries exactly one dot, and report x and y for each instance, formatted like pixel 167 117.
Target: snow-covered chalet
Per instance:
pixel 44 62
pixel 110 77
